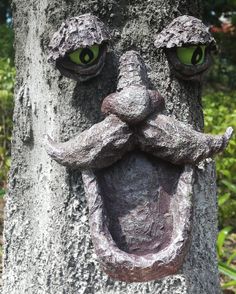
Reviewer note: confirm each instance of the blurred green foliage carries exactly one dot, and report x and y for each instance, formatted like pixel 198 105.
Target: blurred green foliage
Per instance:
pixel 223 73
pixel 227 257
pixel 220 112
pixel 7 75
pixel 213 9
pixel 5 11
pixel 6 42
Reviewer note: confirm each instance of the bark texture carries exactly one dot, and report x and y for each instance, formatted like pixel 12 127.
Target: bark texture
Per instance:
pixel 47 241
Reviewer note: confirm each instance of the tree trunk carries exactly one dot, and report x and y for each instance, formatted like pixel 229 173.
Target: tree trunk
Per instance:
pixel 47 241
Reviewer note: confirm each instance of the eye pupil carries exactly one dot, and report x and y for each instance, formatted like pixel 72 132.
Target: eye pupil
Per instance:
pixel 197 55
pixel 86 55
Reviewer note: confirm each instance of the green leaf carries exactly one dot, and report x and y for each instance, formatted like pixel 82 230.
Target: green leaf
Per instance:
pixel 227 270
pixel 231 258
pixel 2 193
pixel 221 239
pixel 223 198
pixel 230 186
pixel 229 284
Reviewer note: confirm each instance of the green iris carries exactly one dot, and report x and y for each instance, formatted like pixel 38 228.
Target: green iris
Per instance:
pixel 85 56
pixel 191 55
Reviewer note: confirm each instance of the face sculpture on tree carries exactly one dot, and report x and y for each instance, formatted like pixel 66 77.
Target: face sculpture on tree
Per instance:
pixel 138 164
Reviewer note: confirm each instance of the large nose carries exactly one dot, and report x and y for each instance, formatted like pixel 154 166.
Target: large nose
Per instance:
pixel 134 101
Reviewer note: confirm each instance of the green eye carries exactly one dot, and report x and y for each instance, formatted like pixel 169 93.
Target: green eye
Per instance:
pixel 191 55
pixel 85 56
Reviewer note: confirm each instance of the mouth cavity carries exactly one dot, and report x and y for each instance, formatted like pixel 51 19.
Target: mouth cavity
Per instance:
pixel 140 216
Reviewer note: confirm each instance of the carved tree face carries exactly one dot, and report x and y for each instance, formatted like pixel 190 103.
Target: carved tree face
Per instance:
pixel 188 46
pixel 137 164
pixel 78 49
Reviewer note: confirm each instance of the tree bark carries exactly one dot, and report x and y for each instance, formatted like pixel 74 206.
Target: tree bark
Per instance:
pixel 47 241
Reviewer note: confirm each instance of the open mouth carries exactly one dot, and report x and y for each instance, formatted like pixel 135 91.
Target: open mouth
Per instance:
pixel 139 191
pixel 140 216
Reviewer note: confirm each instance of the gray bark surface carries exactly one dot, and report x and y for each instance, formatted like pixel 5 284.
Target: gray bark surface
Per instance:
pixel 48 248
